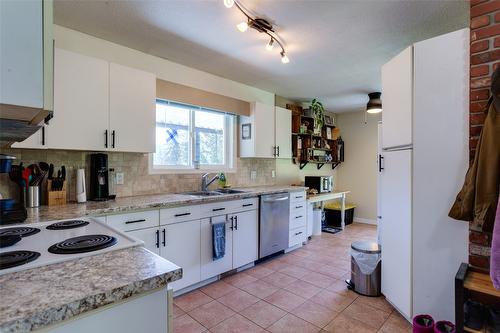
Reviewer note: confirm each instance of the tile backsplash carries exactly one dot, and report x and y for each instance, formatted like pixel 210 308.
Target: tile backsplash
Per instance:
pixel 138 181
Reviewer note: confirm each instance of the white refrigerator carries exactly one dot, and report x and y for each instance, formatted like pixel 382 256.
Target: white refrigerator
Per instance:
pixel 423 160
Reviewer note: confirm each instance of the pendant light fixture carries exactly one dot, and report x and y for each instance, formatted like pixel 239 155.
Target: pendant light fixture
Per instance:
pixel 261 25
pixel 374 105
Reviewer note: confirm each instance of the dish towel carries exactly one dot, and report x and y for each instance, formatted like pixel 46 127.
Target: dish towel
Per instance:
pixel 219 240
pixel 495 251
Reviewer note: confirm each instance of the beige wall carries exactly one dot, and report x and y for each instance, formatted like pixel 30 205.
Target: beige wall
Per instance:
pixel 358 173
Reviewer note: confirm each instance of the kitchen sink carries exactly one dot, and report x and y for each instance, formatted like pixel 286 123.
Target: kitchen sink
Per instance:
pixel 229 191
pixel 203 193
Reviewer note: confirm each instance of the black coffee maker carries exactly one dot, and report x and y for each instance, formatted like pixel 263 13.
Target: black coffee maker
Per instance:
pixel 99 181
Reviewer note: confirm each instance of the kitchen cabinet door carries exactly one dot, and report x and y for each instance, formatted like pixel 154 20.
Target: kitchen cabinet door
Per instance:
pixel 21 53
pixel 261 142
pixel 396 192
pixel 283 131
pixel 80 103
pixel 149 236
pixel 209 266
pixel 397 93
pixel 182 247
pixel 132 109
pixel 245 238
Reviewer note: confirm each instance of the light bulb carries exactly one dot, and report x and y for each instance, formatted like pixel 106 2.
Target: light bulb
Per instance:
pixel 228 3
pixel 284 58
pixel 243 26
pixel 374 110
pixel 270 45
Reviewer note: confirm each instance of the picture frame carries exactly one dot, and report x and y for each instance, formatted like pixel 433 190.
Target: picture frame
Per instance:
pixel 329 120
pixel 246 131
pixel 328 133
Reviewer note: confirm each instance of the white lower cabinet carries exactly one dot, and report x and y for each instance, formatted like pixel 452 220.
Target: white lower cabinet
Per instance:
pixel 149 236
pixel 180 243
pixel 210 267
pixel 298 219
pixel 245 238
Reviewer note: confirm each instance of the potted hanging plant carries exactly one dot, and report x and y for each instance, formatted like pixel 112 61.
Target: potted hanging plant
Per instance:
pixel 319 115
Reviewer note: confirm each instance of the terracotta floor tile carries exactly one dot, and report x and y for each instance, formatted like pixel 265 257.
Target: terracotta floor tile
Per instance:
pixel 238 300
pixel 211 314
pixel 218 289
pixel 376 302
pixel 275 264
pixel 192 300
pixel 344 324
pixel 340 287
pixel 260 289
pixel 239 279
pixel 367 314
pixel 310 265
pixel 315 314
pixel 396 324
pixel 303 289
pixel 279 279
pixel 186 324
pixel 318 279
pixel 331 300
pixel 263 313
pixel 285 300
pixel 294 271
pixel 259 271
pixel 178 311
pixel 332 271
pixel 292 324
pixel 237 324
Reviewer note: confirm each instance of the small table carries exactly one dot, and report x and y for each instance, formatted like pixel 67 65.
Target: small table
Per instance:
pixel 322 197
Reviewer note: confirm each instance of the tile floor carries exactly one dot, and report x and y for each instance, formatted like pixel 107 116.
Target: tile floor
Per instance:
pixel 302 291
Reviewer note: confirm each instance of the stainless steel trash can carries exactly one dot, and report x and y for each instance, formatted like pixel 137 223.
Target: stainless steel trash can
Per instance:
pixel 365 284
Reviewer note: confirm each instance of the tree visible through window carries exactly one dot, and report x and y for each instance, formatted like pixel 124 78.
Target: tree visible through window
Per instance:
pixel 188 137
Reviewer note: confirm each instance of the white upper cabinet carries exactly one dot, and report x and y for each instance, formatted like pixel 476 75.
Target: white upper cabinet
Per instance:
pixel 283 125
pixel 81 103
pixel 397 90
pixel 261 141
pixel 132 109
pixel 21 53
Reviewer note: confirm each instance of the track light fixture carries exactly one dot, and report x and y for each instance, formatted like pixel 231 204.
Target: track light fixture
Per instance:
pixel 261 25
pixel 374 104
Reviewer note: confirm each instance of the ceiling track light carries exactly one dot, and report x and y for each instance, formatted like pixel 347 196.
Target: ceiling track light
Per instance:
pixel 261 25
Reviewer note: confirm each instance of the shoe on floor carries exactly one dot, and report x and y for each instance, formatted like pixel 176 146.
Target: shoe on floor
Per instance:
pixel 474 315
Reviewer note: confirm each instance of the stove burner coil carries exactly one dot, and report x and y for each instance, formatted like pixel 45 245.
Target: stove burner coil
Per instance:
pixel 82 244
pixel 17 258
pixel 19 231
pixel 70 224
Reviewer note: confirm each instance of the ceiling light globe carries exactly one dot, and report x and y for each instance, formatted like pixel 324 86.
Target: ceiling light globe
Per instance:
pixel 284 58
pixel 243 26
pixel 228 3
pixel 375 110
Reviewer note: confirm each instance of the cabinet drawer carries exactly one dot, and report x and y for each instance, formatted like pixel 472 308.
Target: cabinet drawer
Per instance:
pixel 298 218
pixel 297 205
pixel 134 221
pixel 297 236
pixel 180 214
pixel 243 205
pixel 297 196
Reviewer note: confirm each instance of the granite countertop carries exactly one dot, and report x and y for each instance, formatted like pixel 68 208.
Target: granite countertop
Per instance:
pixel 38 297
pixel 127 204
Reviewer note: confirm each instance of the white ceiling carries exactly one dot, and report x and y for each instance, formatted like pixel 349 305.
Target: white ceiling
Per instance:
pixel 335 48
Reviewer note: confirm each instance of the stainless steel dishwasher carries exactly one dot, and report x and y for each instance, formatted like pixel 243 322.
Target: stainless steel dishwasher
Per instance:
pixel 274 219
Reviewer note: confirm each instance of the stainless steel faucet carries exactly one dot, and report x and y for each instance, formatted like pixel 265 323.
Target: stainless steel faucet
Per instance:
pixel 205 184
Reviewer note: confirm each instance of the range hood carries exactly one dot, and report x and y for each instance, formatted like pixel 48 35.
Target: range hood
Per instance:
pixel 17 123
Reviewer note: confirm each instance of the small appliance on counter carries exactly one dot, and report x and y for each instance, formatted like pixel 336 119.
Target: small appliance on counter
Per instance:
pixel 322 184
pixel 10 210
pixel 99 177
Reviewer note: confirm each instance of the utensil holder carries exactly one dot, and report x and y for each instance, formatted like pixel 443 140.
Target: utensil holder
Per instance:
pixel 33 197
pixel 56 198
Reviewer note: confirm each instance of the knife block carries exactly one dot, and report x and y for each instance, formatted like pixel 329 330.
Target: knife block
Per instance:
pixel 56 198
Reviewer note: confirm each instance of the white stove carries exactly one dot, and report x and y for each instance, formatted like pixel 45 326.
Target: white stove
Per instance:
pixel 25 246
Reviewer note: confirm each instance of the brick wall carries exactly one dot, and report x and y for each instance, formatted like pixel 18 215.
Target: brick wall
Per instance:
pixel 484 58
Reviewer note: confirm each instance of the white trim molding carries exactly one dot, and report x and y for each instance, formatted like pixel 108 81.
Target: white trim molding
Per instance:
pixel 363 220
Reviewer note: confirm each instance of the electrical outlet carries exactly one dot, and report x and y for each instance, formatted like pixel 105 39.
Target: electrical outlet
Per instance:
pixel 120 178
pixel 273 173
pixel 253 175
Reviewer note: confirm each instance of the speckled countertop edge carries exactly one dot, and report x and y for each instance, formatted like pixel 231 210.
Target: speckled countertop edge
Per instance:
pixel 39 297
pixel 158 201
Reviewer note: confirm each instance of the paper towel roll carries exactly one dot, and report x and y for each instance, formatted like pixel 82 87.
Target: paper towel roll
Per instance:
pixel 81 193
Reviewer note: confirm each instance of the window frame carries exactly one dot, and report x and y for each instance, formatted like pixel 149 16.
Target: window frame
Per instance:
pixel 230 145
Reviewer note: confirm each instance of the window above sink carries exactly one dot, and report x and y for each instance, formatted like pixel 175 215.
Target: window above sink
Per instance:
pixel 191 139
